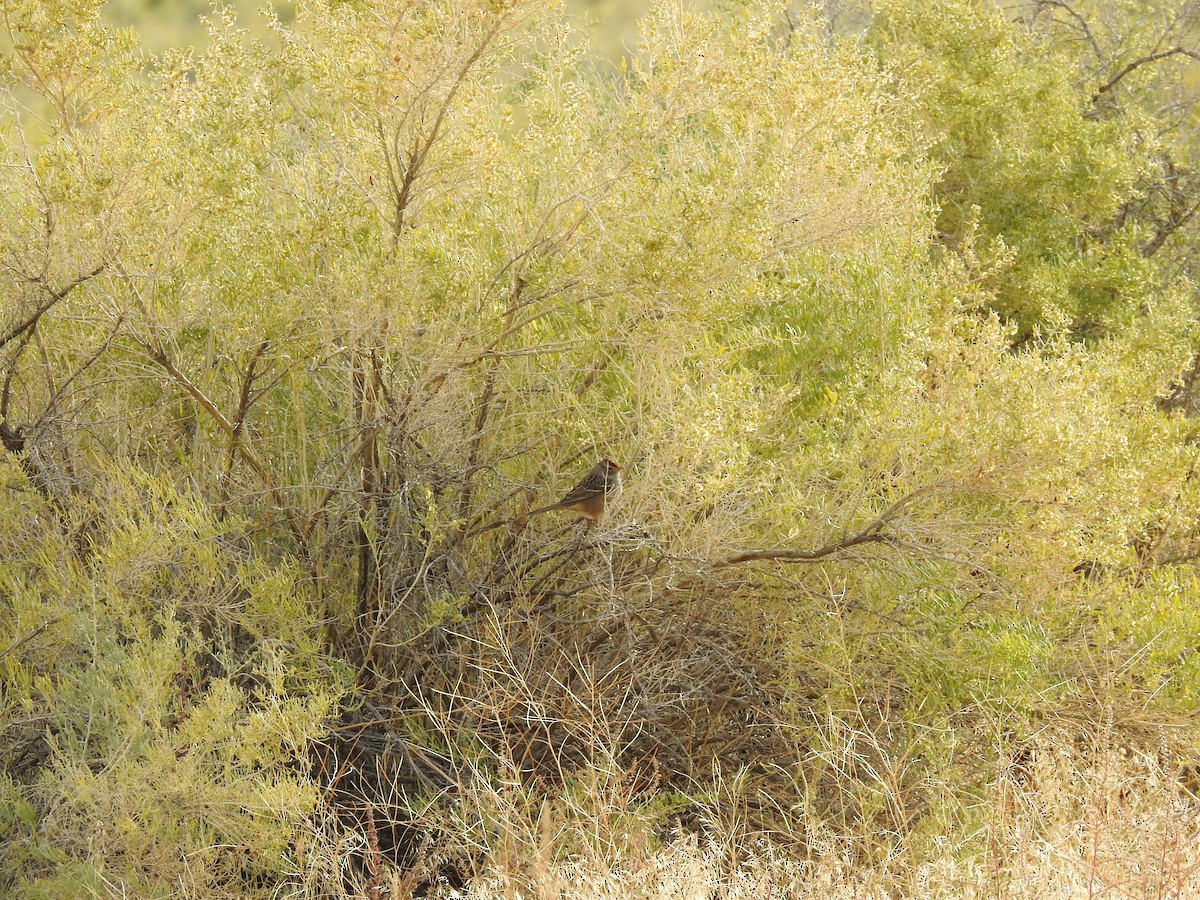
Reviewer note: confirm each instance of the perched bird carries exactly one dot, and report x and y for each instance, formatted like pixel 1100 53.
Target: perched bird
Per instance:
pixel 591 496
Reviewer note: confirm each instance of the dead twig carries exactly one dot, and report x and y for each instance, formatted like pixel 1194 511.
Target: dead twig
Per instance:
pixel 28 636
pixel 159 354
pixel 874 533
pixel 1138 63
pixel 245 401
pixel 55 296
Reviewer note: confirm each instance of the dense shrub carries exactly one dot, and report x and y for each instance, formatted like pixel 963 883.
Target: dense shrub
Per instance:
pixel 298 328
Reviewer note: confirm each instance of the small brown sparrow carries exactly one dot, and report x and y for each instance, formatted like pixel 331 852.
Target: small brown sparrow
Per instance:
pixel 590 497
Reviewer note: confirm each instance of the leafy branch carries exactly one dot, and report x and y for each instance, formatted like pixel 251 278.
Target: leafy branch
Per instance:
pixel 404 167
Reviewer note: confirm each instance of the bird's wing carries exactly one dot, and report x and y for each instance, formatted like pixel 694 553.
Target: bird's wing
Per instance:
pixel 592 485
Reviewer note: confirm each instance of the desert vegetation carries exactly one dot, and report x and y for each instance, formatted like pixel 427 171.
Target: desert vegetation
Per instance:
pixel 889 313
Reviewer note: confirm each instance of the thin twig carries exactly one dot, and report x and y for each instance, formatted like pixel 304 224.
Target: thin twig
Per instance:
pixel 26 638
pixel 52 404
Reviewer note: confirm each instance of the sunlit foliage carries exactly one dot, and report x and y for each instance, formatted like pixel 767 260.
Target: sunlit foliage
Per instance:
pixel 298 325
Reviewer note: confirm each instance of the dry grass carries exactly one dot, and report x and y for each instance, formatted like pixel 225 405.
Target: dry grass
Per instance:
pixel 1133 835
pixel 1086 810
pixel 1153 854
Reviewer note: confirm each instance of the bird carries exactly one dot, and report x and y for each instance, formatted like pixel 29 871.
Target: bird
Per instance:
pixel 590 498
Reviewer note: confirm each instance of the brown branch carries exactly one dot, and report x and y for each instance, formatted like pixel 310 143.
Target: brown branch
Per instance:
pixel 6 393
pixel 52 404
pixel 17 440
pixel 1082 22
pixel 55 296
pixel 1164 230
pixel 29 636
pixel 874 533
pixel 485 405
pixel 159 355
pixel 1138 63
pixel 792 555
pixel 402 192
pixel 369 589
pixel 368 436
pixel 245 401
pixel 14 439
pixel 393 182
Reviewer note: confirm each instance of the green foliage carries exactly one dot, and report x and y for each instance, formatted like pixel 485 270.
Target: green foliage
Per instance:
pixel 171 686
pixel 1031 177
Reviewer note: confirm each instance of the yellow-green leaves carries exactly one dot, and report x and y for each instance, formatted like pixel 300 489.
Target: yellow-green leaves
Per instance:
pixel 294 331
pixel 1027 163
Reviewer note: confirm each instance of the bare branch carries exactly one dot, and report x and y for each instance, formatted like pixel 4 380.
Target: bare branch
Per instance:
pixel 874 533
pixel 245 401
pixel 402 188
pixel 52 403
pixel 1176 221
pixel 29 636
pixel 792 555
pixel 55 296
pixel 485 405
pixel 1080 21
pixel 160 356
pixel 6 393
pixel 1138 63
